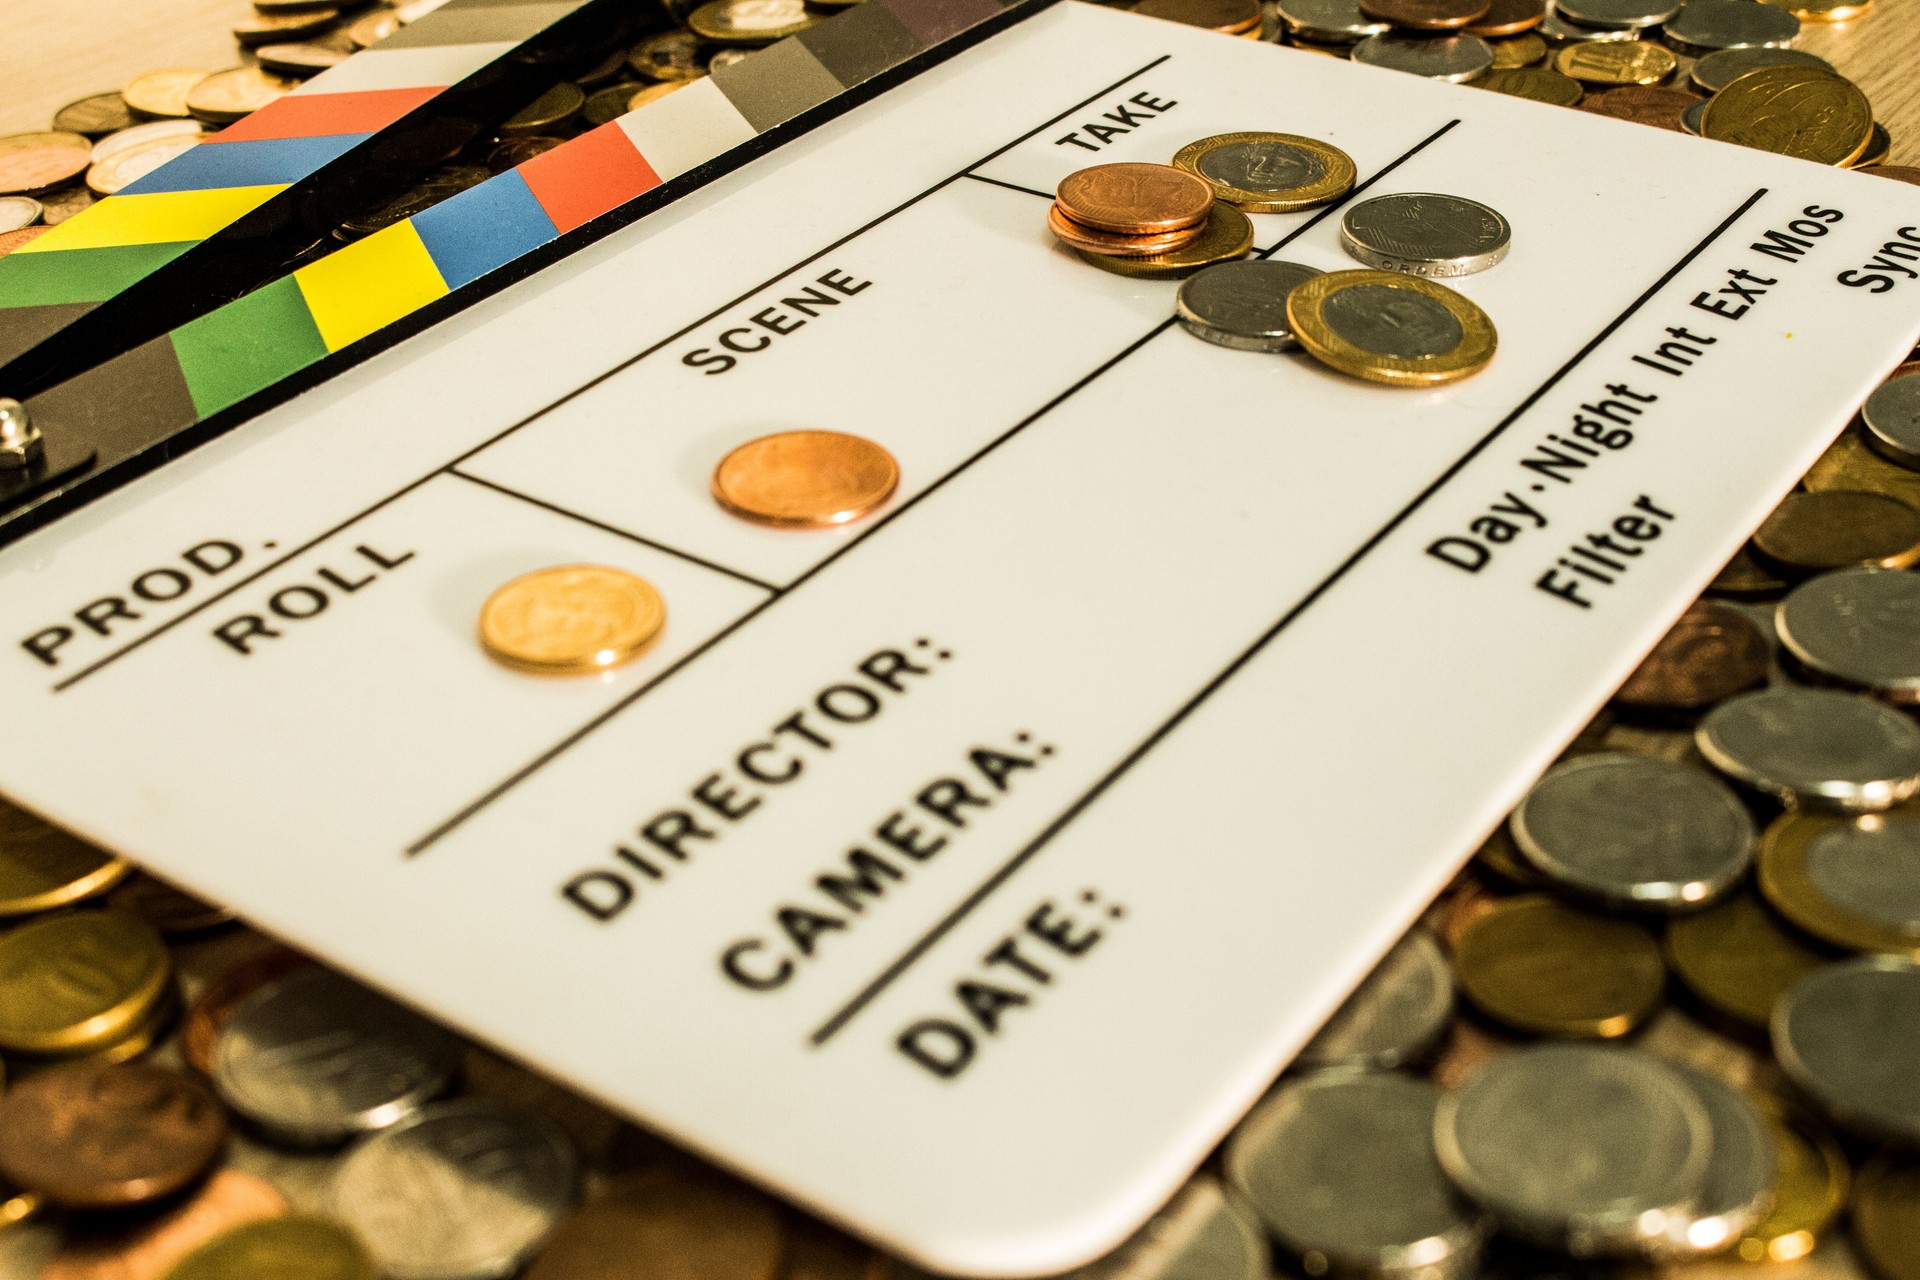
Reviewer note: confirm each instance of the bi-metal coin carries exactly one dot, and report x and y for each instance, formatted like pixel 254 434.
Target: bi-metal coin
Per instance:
pixel 1423 233
pixel 1390 328
pixel 1269 172
pixel 573 619
pixel 1242 304
pixel 1850 881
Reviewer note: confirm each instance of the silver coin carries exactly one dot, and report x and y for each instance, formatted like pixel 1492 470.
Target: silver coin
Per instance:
pixel 1636 832
pixel 1425 234
pixel 1732 24
pixel 1395 1016
pixel 315 1058
pixel 1721 68
pixel 1202 1234
pixel 459 1191
pixel 1739 1185
pixel 1691 117
pixel 1392 322
pixel 1891 417
pixel 1340 1168
pixel 1336 21
pixel 18 212
pixel 1241 304
pixel 1457 59
pixel 1267 166
pixel 1556 30
pixel 1593 1150
pixel 1819 748
pixel 1617 13
pixel 1871 869
pixel 1858 626
pixel 1849 1035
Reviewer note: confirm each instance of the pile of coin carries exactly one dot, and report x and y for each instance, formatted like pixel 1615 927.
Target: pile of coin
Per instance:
pixel 1130 210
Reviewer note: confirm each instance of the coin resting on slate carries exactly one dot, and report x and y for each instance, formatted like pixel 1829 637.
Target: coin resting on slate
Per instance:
pixel 1859 627
pixel 1269 172
pixel 1201 1233
pixel 1891 419
pixel 1227 234
pixel 1849 1037
pixel 1738 958
pixel 298 1247
pixel 1713 652
pixel 1134 199
pixel 1425 234
pixel 1508 18
pixel 1837 528
pixel 42 867
pixel 1534 83
pixel 805 479
pixel 1617 13
pixel 75 983
pixel 1818 748
pixel 1426 15
pixel 1242 304
pixel 1336 20
pixel 1886 1215
pixel 1635 62
pixel 315 1058
pixel 1707 25
pixel 1541 966
pixel 162 93
pixel 1079 236
pixel 503 1174
pixel 1637 833
pixel 1853 882
pixel 1717 70
pixel 148 1248
pixel 1591 1150
pixel 1398 1013
pixel 1802 112
pixel 1340 1167
pixel 88 1136
pixel 663 1222
pixel 1390 328
pixel 572 620
pixel 1457 59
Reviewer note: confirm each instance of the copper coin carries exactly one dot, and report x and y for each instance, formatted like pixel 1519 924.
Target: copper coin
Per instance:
pixel 11 240
pixel 26 170
pixel 166 908
pixel 1835 528
pixel 1642 104
pixel 1713 652
pixel 1086 238
pixel 149 1249
pixel 1230 16
pixel 1509 18
pixel 1898 172
pixel 679 1223
pixel 1428 15
pixel 805 479
pixel 218 1003
pixel 106 1137
pixel 1135 199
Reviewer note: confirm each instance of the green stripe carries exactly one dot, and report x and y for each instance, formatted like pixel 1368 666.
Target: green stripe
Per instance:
pixel 80 275
pixel 247 345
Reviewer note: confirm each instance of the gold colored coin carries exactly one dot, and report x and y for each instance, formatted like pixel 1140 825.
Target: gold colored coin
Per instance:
pixel 749 21
pixel 1502 857
pixel 805 479
pixel 42 867
pixel 1850 463
pixel 669 1222
pixel 292 1248
pixel 1228 235
pixel 654 92
pixel 162 93
pixel 549 111
pixel 572 620
pixel 1838 528
pixel 1387 327
pixel 1268 172
pixel 1617 62
pixel 1798 111
pixel 1535 83
pixel 1738 959
pixel 1745 578
pixel 1823 10
pixel 1879 147
pixel 1851 881
pixel 1810 1180
pixel 1537 965
pixel 141 1037
pixel 75 983
pixel 1886 1216
pixel 1520 51
pixel 372 29
pixel 226 96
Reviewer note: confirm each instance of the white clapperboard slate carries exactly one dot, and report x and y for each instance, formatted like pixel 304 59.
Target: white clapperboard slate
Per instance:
pixel 966 873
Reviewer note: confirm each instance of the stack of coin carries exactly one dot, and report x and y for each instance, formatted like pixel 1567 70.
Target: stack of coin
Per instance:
pixel 1130 210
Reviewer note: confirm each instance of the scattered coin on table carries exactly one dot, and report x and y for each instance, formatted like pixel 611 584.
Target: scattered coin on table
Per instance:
pixel 1242 304
pixel 1425 234
pixel 1383 326
pixel 572 620
pixel 806 479
pixel 1269 172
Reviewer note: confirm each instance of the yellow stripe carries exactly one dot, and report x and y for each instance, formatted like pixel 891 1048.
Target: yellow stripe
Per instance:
pixel 160 217
pixel 369 284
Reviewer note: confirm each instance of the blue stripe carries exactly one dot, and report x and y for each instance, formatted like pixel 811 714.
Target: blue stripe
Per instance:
pixel 483 227
pixel 269 162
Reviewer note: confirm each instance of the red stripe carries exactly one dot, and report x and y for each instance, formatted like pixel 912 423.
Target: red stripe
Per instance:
pixel 315 115
pixel 595 172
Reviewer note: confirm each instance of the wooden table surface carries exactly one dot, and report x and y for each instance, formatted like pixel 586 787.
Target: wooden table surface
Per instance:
pixel 53 51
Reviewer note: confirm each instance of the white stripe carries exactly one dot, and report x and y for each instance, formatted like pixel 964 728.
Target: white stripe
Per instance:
pixel 686 128
pixel 376 68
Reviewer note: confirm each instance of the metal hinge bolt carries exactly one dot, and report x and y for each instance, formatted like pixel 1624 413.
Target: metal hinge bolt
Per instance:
pixel 20 444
